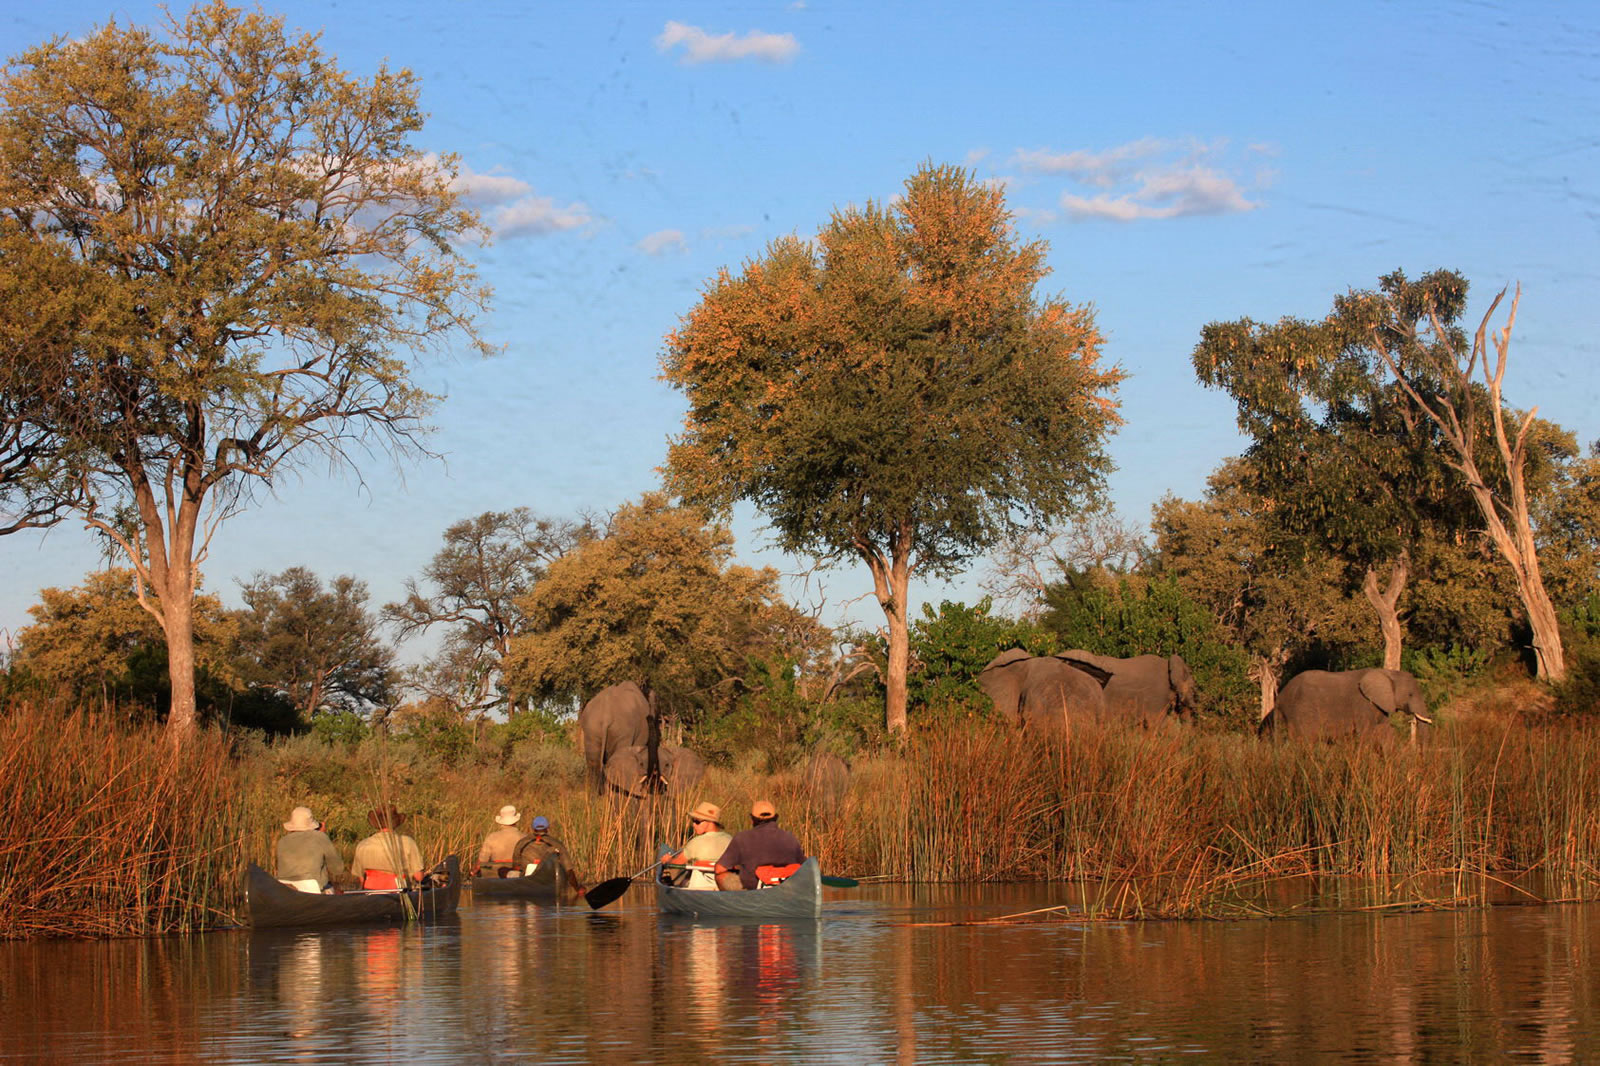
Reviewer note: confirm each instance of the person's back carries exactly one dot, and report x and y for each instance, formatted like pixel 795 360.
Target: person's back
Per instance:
pixel 495 858
pixel 388 859
pixel 539 847
pixel 306 858
pixel 764 844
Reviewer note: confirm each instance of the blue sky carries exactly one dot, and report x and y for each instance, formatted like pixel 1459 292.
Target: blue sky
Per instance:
pixel 1186 162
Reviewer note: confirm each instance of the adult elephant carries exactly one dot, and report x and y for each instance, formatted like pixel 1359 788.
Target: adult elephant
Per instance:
pixel 680 770
pixel 618 717
pixel 1324 705
pixel 1042 692
pixel 1146 689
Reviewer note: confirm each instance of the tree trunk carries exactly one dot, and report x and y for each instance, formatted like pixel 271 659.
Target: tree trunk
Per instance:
pixel 1267 678
pixel 1386 603
pixel 891 581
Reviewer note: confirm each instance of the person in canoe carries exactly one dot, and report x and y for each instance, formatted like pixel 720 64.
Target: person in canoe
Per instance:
pixel 388 859
pixel 306 858
pixel 764 854
pixel 694 867
pixel 538 846
pixel 494 858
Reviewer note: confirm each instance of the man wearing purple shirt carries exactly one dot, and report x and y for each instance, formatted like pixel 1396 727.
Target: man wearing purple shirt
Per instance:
pixel 763 844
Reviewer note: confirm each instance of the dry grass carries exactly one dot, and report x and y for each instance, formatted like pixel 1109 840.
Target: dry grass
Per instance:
pixel 108 831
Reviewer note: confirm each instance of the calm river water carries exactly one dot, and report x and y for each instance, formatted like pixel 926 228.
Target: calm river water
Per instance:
pixel 517 983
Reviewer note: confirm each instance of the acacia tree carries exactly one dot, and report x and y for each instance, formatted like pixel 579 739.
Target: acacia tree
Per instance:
pixel 263 241
pixel 477 581
pixel 318 646
pixel 894 392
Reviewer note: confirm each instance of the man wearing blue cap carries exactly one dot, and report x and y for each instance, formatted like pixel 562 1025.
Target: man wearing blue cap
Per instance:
pixel 539 846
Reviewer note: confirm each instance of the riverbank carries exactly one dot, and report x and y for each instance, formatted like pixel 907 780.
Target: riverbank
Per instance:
pixel 111 832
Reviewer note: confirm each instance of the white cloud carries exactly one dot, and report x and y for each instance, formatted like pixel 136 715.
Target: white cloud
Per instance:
pixel 662 241
pixel 512 209
pixel 1143 179
pixel 702 47
pixel 534 215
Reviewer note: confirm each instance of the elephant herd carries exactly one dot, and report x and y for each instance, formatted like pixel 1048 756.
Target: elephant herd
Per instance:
pixel 1040 693
pixel 1055 692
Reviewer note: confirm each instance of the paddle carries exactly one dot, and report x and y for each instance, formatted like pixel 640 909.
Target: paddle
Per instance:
pixel 840 882
pixel 610 891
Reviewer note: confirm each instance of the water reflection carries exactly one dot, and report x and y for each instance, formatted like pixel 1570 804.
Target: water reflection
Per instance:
pixel 513 983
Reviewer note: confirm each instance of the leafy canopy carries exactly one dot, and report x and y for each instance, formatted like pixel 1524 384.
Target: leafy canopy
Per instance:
pixel 893 384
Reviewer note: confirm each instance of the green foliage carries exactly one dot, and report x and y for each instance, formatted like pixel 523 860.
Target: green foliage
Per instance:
pixel 318 646
pixel 1155 616
pixel 1445 673
pixel 952 644
pixel 1579 693
pixel 656 599
pixel 341 728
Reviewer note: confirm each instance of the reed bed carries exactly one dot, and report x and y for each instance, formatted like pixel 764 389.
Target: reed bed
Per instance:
pixel 107 831
pixel 111 831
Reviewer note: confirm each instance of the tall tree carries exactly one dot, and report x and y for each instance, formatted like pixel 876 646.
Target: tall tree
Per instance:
pixel 318 646
pixel 894 392
pixel 263 241
pixel 656 599
pixel 477 582
pixel 1402 349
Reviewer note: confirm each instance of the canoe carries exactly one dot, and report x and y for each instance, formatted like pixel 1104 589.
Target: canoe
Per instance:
pixel 274 904
pixel 550 883
pixel 800 896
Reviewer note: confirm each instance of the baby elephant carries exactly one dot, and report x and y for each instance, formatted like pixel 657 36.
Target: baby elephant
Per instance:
pixel 1321 705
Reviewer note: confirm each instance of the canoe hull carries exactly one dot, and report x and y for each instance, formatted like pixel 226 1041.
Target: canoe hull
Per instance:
pixel 798 897
pixel 274 905
pixel 548 884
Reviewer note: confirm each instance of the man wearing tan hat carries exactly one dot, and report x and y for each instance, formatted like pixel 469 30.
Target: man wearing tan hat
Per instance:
pixel 699 856
pixel 759 853
pixel 307 859
pixel 494 858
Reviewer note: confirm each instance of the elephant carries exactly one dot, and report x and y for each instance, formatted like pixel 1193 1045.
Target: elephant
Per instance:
pixel 1145 689
pixel 825 775
pixel 1322 705
pixel 1043 693
pixel 680 770
pixel 618 717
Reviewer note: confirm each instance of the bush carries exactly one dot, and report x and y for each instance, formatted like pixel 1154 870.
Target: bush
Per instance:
pixel 950 646
pixel 1157 617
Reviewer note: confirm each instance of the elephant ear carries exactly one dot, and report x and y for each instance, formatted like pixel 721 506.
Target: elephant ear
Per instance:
pixel 1378 687
pixel 1099 673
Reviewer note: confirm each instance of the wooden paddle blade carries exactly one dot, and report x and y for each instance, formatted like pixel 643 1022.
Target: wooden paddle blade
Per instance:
pixel 840 882
pixel 607 892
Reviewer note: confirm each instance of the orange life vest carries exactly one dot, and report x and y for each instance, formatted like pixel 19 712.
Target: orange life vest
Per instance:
pixel 380 879
pixel 767 876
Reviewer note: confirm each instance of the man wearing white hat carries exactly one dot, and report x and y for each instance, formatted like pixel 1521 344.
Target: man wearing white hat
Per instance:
pixel 307 859
pixel 494 858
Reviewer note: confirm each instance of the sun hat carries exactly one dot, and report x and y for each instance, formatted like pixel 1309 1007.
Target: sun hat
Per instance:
pixel 509 815
pixel 763 810
pixel 386 817
pixel 300 819
pixel 541 823
pixel 706 812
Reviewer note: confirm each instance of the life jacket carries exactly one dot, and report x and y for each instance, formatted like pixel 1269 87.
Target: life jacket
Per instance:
pixel 382 880
pixel 768 876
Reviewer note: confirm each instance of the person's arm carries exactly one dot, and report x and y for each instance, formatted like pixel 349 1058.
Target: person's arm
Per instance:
pixel 332 859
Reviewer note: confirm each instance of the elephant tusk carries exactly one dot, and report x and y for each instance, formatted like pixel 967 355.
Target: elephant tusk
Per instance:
pixel 1422 718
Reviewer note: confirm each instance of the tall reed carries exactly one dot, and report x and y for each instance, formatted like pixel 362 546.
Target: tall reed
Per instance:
pixel 107 830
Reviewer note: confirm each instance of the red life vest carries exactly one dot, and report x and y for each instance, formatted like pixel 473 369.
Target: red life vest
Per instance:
pixel 380 879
